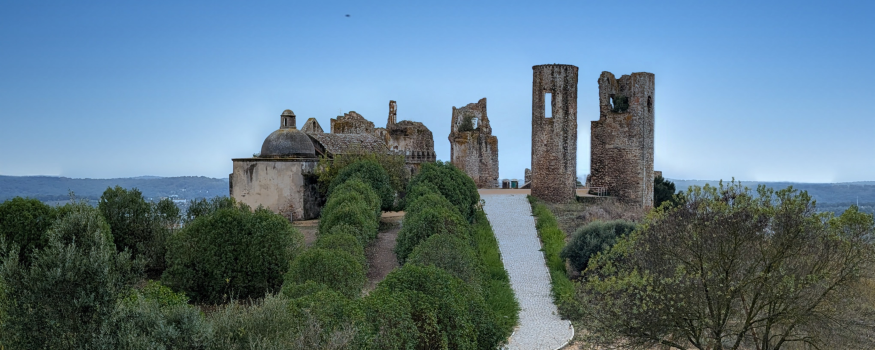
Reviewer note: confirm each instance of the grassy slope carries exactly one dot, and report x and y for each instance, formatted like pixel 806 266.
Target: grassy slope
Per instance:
pixel 552 241
pixel 496 285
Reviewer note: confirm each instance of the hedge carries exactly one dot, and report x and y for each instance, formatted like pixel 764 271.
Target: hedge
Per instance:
pixel 338 270
pixel 593 238
pixel 426 223
pixel 450 253
pixel 452 183
pixel 371 173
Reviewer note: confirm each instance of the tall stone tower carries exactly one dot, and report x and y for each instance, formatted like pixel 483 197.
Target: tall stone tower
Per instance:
pixel 554 132
pixel 622 138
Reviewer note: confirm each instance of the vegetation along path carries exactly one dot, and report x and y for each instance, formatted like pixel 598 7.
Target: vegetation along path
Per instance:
pixel 540 326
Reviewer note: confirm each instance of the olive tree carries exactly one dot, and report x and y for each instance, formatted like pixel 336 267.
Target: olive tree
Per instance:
pixel 730 268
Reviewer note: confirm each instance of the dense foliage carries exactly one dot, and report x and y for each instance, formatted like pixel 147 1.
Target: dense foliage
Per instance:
pixel 139 226
pixel 233 253
pixel 24 222
pixel 593 238
pixel 730 268
pixel 663 191
pixel 343 242
pixel 65 298
pixel 336 269
pixel 372 174
pixel 353 215
pixel 453 184
pixel 426 223
pixel 450 253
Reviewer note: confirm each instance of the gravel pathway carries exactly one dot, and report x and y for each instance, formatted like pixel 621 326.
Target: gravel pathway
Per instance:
pixel 540 326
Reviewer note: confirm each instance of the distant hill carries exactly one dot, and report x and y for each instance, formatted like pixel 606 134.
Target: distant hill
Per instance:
pixel 52 188
pixel 835 197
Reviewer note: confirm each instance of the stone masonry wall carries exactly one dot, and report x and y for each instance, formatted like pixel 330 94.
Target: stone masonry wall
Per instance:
pixel 622 141
pixel 554 140
pixel 351 123
pixel 476 151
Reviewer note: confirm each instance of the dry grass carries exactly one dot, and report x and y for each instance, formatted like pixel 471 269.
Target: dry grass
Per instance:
pixel 571 216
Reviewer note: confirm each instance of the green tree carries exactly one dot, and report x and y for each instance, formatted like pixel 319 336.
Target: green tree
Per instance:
pixel 65 298
pixel 232 253
pixel 136 225
pixel 203 207
pixel 450 253
pixel 24 222
pixel 426 223
pixel 336 269
pixel 732 269
pixel 663 191
pixel 394 165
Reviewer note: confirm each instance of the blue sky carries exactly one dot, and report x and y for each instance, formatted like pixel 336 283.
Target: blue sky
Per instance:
pixel 762 91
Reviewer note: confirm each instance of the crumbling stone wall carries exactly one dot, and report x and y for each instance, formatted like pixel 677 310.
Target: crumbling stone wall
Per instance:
pixel 554 139
pixel 351 123
pixel 474 151
pixel 312 126
pixel 622 138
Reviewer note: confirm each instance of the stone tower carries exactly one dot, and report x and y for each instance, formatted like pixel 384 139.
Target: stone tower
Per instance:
pixel 554 135
pixel 473 148
pixel 622 138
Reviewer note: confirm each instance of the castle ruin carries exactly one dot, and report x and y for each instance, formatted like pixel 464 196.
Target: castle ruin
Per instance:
pixel 554 132
pixel 622 138
pixel 473 149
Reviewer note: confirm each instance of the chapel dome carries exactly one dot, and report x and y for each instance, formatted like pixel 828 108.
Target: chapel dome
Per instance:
pixel 288 143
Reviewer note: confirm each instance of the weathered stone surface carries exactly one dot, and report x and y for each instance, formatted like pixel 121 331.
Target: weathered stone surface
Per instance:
pixel 473 148
pixel 554 139
pixel 312 126
pixel 622 138
pixel 287 186
pixel 334 144
pixel 351 123
pixel 527 175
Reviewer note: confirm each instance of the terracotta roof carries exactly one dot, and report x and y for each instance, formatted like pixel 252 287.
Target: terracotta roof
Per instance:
pixel 344 143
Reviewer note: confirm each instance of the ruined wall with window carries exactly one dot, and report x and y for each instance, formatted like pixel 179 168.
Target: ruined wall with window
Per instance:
pixel 473 148
pixel 554 132
pixel 622 138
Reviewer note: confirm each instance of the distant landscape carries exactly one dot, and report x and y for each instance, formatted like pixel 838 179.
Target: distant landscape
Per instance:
pixel 835 197
pixel 52 188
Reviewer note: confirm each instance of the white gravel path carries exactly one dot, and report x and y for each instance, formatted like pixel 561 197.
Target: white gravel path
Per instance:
pixel 540 326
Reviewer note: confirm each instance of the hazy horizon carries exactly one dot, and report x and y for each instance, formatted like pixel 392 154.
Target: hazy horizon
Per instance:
pixel 762 91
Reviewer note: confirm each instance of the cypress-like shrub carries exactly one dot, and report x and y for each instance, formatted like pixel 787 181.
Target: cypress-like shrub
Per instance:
pixel 450 253
pixel 24 222
pixel 354 189
pixel 338 270
pixel 426 223
pixel 388 323
pixel 447 312
pixel 233 253
pixel 354 213
pixel 343 242
pixel 419 190
pixel 593 238
pixel 136 225
pixel 429 200
pixel 372 174
pixel 452 183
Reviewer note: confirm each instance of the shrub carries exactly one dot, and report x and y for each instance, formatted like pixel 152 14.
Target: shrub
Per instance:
pixel 338 270
pixel 135 225
pixel 421 189
pixel 294 290
pixel 663 191
pixel 447 312
pixel 388 323
pixel 426 223
pixel 157 318
pixel 450 253
pixel 231 253
pixel 593 238
pixel 372 174
pixel 333 313
pixel 343 242
pixel 24 222
pixel 274 323
pixel 429 200
pixel 354 213
pixel 452 183
pixel 65 298
pixel 496 288
pixel 354 189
